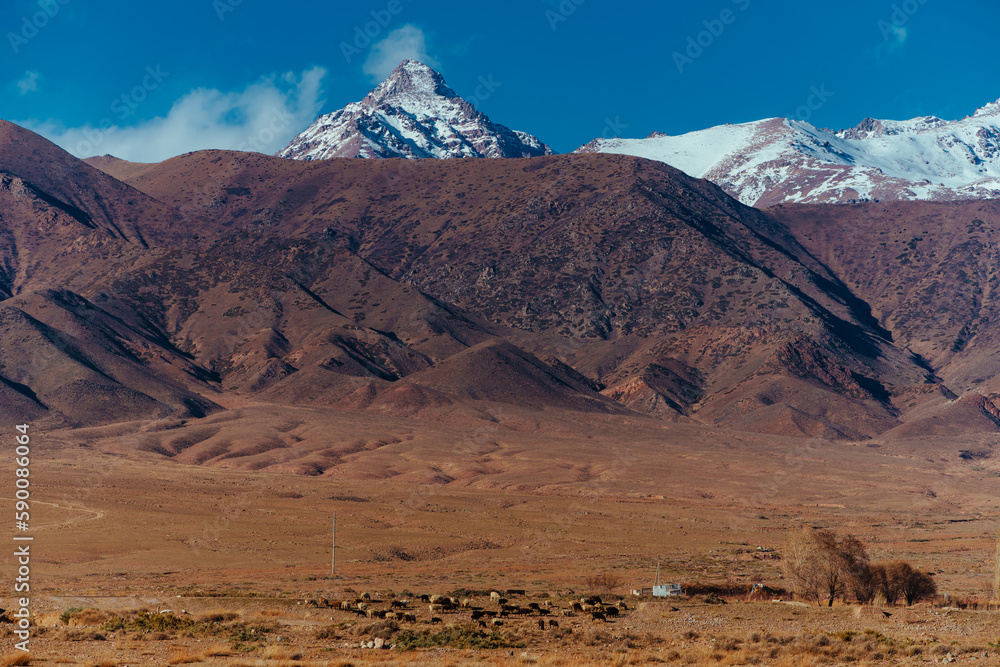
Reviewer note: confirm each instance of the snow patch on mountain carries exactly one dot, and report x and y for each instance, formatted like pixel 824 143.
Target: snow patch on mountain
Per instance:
pixel 778 160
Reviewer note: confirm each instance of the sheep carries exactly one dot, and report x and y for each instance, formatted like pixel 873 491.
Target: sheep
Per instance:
pixel 398 604
pixel 622 606
pixel 577 606
pixel 366 597
pixel 345 605
pixel 544 612
pixel 476 615
pixel 541 624
pixel 501 601
pixel 391 616
pixel 533 606
pixel 465 603
pixel 363 606
pixel 425 598
pixel 566 612
pixel 494 596
pixel 553 623
pixel 611 611
pixel 410 618
pixel 598 616
pixel 435 607
pixel 497 622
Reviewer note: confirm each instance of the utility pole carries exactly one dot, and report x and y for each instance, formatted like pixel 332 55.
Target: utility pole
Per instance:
pixel 333 551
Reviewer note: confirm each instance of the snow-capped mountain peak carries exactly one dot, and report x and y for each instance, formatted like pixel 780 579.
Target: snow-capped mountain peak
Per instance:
pixel 411 78
pixel 412 114
pixel 991 109
pixel 777 160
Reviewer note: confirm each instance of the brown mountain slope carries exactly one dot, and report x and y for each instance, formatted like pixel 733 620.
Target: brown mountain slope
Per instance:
pixel 929 270
pixel 614 265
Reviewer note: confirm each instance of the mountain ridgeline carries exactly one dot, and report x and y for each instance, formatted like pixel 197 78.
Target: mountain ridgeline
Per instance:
pixel 600 286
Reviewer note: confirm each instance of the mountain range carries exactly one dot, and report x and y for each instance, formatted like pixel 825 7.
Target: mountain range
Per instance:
pixel 779 160
pixel 597 285
pixel 414 114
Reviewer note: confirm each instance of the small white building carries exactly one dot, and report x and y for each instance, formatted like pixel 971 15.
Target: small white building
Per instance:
pixel 667 590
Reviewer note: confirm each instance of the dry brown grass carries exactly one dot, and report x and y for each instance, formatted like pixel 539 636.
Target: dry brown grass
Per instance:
pixel 99 663
pixel 89 617
pixel 184 656
pixel 19 658
pixel 217 651
pixel 280 653
pixel 218 616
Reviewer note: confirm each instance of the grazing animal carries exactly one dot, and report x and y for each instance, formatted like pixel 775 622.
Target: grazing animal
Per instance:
pixel 501 601
pixel 541 624
pixel 495 596
pixel 482 623
pixel 598 616
pixel 544 612
pixel 366 596
pixel 611 611
pixel 497 622
pixel 553 623
pixel 565 612
pixel 410 618
pixel 345 605
pixel 476 615
pixel 435 619
pixel 435 607
pixel 534 606
pixel 577 606
pixel 436 598
pixel 425 598
pixel 362 606
pixel 391 616
pixel 398 604
pixel 622 605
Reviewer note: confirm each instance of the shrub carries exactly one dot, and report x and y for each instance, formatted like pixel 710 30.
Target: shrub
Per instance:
pixel 459 636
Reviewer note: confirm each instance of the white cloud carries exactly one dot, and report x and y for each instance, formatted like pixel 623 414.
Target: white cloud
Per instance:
pixel 400 44
pixel 29 82
pixel 263 117
pixel 894 36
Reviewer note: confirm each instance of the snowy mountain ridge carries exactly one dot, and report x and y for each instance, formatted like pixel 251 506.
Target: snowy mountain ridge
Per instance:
pixel 412 114
pixel 778 160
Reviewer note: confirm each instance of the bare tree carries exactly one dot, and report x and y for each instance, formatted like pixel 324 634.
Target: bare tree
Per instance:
pixel 822 566
pixel 905 581
pixel 801 564
pixel 868 583
pixel 605 581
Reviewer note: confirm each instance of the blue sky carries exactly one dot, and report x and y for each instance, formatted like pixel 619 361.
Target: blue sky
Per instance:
pixel 146 81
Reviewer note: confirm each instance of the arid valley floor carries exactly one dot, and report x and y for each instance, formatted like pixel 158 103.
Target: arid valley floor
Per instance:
pixel 236 555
